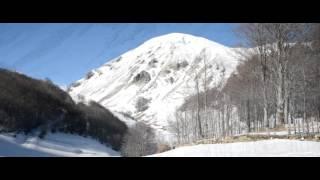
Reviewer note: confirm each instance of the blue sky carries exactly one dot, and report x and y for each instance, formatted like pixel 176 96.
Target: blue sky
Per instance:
pixel 65 52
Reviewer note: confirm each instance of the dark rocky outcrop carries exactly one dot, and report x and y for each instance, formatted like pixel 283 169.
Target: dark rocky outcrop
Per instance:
pixel 142 77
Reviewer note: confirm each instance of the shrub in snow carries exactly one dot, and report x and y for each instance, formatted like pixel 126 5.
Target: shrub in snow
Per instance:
pixel 171 80
pixel 163 148
pixel 118 59
pixel 75 84
pixel 182 64
pixel 89 75
pixel 81 98
pixel 139 141
pixel 142 104
pixel 53 130
pixel 42 134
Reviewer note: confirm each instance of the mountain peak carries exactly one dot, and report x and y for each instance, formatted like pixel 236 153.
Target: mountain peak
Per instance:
pixel 181 38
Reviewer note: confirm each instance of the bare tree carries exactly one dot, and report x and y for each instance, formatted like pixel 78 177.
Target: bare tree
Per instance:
pixel 139 141
pixel 204 57
pixel 197 87
pixel 256 36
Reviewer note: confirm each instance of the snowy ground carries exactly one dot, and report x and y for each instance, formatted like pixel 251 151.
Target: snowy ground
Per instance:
pixel 278 133
pixel 58 144
pixel 264 148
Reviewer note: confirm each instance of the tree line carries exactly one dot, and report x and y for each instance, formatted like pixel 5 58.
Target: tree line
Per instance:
pixel 275 86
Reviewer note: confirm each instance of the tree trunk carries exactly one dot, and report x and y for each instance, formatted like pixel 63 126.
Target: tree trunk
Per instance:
pixel 294 124
pixel 231 124
pixel 248 116
pixel 263 62
pixel 223 122
pixel 265 115
pixel 188 127
pixel 255 123
pixel 280 95
pixel 318 121
pixel 219 123
pixel 299 128
pixel 275 120
pixel 286 112
pixel 205 95
pixel 312 126
pixel 304 100
pixel 212 120
pixel 287 115
pixel 292 117
pixel 239 124
pixel 228 120
pixel 198 107
pixel 195 123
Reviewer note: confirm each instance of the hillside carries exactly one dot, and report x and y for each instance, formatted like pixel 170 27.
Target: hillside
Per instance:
pixel 32 106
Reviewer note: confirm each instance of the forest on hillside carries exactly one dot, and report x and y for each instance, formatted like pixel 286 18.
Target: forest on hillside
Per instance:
pixel 275 86
pixel 38 106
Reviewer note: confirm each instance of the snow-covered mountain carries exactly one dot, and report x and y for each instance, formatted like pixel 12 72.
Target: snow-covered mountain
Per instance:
pixel 159 74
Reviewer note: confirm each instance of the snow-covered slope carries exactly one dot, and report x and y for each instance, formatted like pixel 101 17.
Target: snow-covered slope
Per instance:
pixel 161 70
pixel 58 144
pixel 265 148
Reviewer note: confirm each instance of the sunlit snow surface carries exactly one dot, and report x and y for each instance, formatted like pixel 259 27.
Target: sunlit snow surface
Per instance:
pixel 58 144
pixel 264 148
